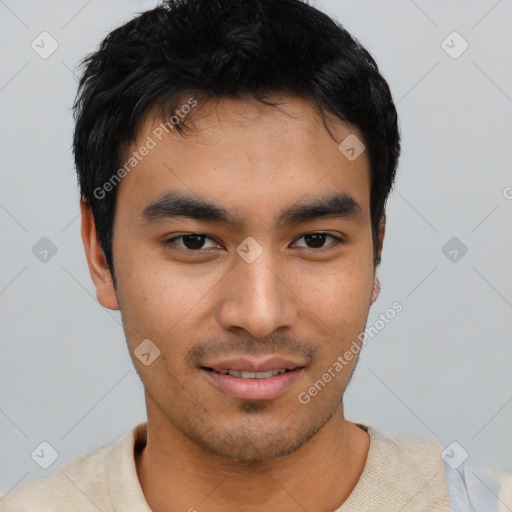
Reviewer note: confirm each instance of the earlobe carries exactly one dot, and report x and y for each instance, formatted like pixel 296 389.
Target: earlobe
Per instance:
pixel 98 268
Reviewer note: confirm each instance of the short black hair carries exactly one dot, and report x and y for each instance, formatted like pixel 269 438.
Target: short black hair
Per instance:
pixel 210 49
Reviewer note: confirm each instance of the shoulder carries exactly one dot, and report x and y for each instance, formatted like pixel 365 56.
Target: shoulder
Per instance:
pixel 465 486
pixel 401 473
pixel 70 486
pixel 80 485
pixel 415 457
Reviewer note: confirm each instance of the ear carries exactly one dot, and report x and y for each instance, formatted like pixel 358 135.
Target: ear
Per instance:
pixel 380 242
pixel 100 273
pixel 376 288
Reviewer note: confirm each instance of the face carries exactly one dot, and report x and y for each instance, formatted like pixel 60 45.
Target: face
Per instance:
pixel 270 269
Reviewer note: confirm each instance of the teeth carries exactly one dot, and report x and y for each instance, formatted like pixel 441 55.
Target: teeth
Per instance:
pixel 251 375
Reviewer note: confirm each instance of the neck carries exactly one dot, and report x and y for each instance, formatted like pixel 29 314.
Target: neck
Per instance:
pixel 177 475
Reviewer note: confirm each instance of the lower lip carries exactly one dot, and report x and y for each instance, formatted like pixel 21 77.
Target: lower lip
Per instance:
pixel 254 389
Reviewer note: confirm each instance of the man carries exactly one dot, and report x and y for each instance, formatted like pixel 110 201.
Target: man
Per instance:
pixel 234 159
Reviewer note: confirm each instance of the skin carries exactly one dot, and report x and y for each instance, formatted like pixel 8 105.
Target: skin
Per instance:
pixel 206 450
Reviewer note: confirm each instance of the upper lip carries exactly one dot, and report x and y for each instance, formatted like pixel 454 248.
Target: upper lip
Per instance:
pixel 244 364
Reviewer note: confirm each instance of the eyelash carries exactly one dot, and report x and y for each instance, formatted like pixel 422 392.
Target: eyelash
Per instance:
pixel 337 241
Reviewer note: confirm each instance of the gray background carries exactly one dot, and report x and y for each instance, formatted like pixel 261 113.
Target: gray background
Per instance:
pixel 441 370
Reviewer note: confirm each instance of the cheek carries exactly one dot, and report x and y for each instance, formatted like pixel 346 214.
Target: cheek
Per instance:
pixel 153 299
pixel 162 300
pixel 337 292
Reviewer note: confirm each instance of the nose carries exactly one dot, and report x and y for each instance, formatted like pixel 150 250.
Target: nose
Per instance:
pixel 257 297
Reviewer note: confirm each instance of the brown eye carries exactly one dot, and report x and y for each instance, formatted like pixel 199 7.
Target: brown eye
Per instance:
pixel 317 240
pixel 193 242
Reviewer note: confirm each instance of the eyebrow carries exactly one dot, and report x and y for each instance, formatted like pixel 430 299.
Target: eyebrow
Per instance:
pixel 176 205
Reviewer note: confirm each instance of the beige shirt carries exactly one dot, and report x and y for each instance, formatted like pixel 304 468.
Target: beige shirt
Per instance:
pixel 400 474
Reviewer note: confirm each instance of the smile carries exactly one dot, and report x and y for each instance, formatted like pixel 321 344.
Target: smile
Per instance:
pixel 250 385
pixel 251 375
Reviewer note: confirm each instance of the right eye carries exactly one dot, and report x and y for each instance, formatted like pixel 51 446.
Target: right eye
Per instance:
pixel 191 242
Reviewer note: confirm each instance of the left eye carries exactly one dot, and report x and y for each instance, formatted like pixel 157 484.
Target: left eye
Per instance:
pixel 318 240
pixel 195 241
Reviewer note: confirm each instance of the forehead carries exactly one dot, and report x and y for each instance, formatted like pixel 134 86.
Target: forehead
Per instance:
pixel 246 155
pixel 212 119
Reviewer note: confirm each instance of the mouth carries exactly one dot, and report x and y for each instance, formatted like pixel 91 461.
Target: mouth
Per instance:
pixel 250 375
pixel 253 385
